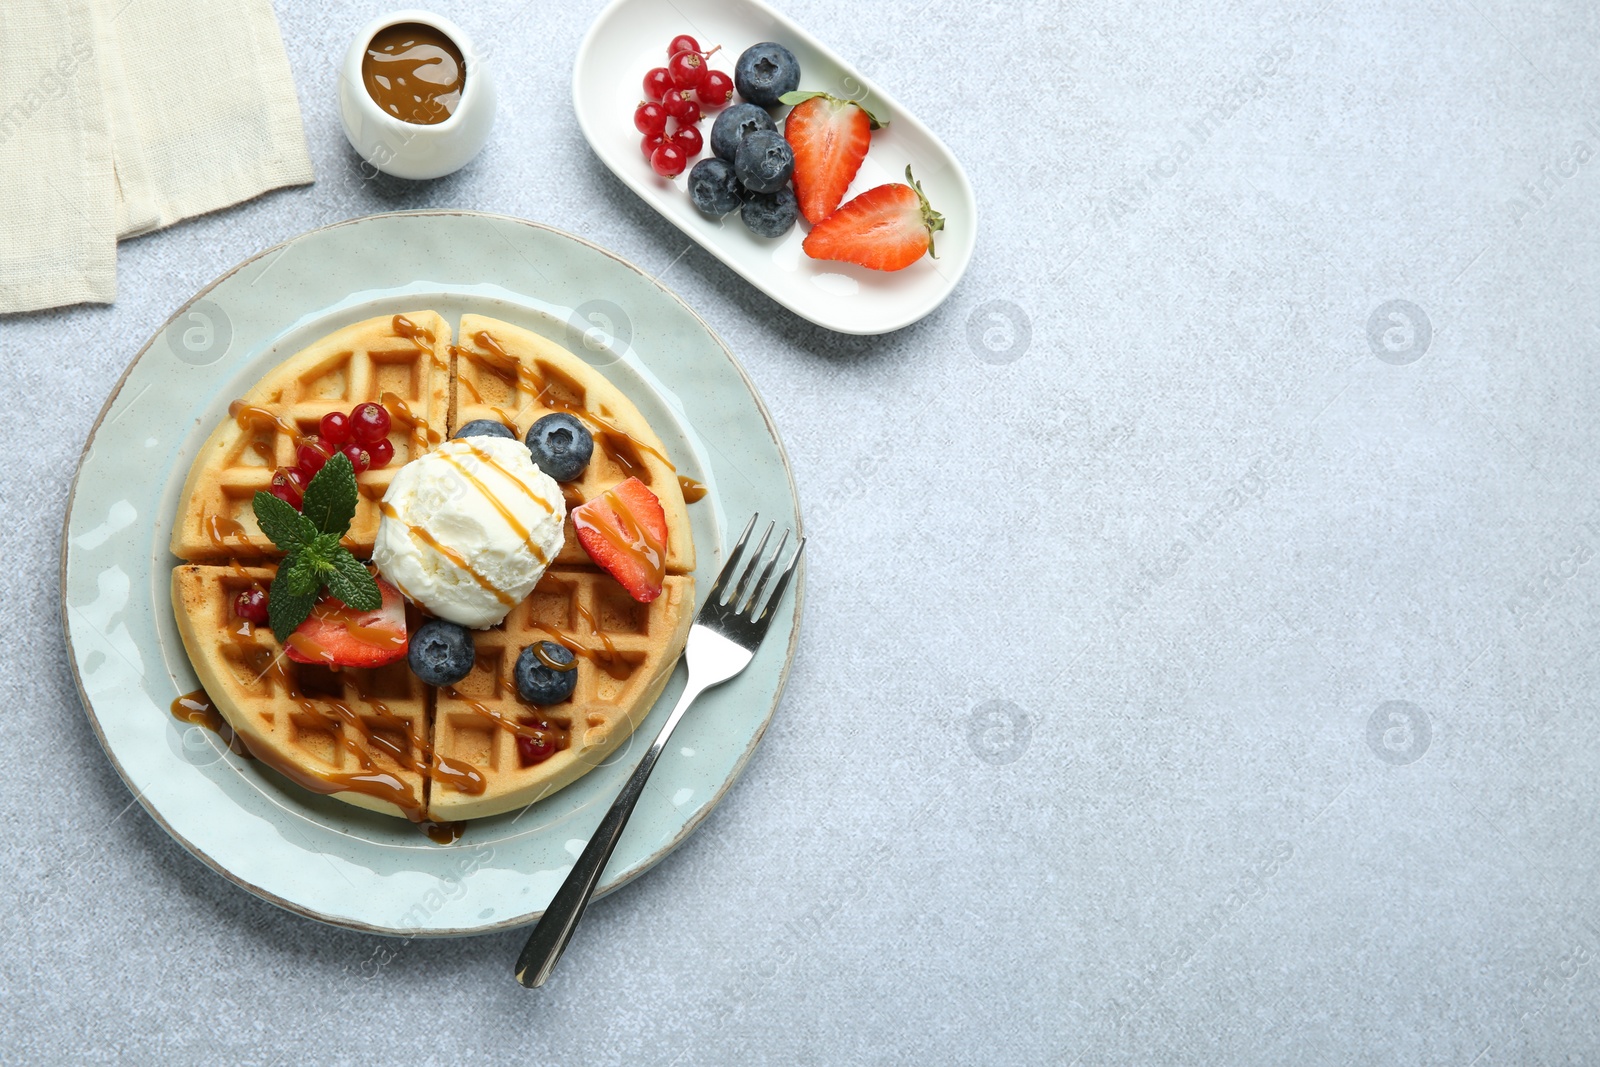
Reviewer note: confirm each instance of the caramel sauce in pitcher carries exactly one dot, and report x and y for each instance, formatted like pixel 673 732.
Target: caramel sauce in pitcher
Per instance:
pixel 414 73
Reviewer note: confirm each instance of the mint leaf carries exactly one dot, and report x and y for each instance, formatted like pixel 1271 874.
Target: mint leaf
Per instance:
pixel 280 521
pixel 351 583
pixel 304 576
pixel 287 609
pixel 330 499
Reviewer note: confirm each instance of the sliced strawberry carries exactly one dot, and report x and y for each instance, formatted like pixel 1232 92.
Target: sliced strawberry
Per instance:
pixel 886 228
pixel 336 636
pixel 624 531
pixel 830 138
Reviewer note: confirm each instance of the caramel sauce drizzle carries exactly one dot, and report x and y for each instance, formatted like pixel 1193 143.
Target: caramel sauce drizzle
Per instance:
pixel 450 554
pixel 615 442
pixel 522 532
pixel 219 528
pixel 604 658
pixel 510 725
pixel 550 661
pixel 422 435
pixel 251 417
pixel 693 491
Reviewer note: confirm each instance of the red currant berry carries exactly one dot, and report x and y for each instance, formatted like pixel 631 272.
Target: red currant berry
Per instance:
pixel 681 106
pixel 379 453
pixel 334 428
pixel 716 90
pixel 688 70
pixel 288 485
pixel 368 422
pixel 650 117
pixel 682 43
pixel 359 457
pixel 531 750
pixel 657 83
pixel 650 144
pixel 688 138
pixel 251 605
pixel 312 454
pixel 669 160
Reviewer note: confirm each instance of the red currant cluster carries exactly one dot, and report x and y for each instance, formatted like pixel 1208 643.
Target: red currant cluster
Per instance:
pixel 677 92
pixel 363 436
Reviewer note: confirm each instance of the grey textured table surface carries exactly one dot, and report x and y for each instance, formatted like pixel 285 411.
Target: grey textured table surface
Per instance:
pixel 1199 658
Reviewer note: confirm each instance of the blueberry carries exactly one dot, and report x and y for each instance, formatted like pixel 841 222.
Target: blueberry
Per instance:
pixel 441 652
pixel 485 428
pixel 765 162
pixel 770 214
pixel 733 125
pixel 538 684
pixel 765 72
pixel 561 446
pixel 713 188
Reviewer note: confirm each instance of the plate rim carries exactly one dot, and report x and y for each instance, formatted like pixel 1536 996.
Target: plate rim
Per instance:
pixel 623 877
pixel 901 112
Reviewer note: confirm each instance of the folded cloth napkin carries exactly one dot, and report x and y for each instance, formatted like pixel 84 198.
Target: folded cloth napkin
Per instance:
pixel 122 116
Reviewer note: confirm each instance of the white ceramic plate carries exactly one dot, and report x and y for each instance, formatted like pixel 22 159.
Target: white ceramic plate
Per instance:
pixel 630 36
pixel 312 854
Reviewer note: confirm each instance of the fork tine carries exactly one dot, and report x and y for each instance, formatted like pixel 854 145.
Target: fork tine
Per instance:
pixel 737 599
pixel 772 565
pixel 732 561
pixel 781 585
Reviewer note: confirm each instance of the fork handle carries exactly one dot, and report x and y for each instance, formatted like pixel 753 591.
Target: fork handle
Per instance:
pixel 549 938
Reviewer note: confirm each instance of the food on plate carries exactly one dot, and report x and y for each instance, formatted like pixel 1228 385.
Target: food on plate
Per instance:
pixel 668 116
pixel 764 72
pixel 734 125
pixel 713 188
pixel 561 445
pixel 469 528
pixel 624 531
pixel 764 162
pixel 888 227
pixel 770 214
pixel 830 138
pixel 373 696
pixel 441 652
pixel 546 673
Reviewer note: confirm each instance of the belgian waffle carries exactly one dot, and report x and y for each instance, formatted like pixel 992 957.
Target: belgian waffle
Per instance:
pixel 382 739
pixel 359 734
pixel 400 361
pixel 625 654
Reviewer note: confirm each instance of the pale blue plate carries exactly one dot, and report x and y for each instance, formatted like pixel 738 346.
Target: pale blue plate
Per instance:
pixel 311 854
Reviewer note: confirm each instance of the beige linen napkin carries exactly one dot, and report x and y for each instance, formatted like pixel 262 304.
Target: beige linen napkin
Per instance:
pixel 125 116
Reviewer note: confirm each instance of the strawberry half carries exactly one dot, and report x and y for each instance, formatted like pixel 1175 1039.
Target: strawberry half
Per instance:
pixel 336 636
pixel 830 138
pixel 624 531
pixel 888 227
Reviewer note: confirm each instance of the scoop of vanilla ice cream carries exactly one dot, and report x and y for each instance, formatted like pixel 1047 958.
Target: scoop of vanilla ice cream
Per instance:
pixel 468 529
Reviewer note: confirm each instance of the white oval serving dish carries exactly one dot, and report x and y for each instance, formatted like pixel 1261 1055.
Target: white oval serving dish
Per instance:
pixel 630 36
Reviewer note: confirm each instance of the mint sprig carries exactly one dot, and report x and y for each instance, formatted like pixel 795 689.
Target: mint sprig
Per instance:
pixel 313 557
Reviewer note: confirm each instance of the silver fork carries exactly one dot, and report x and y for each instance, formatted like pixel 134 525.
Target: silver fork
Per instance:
pixel 724 638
